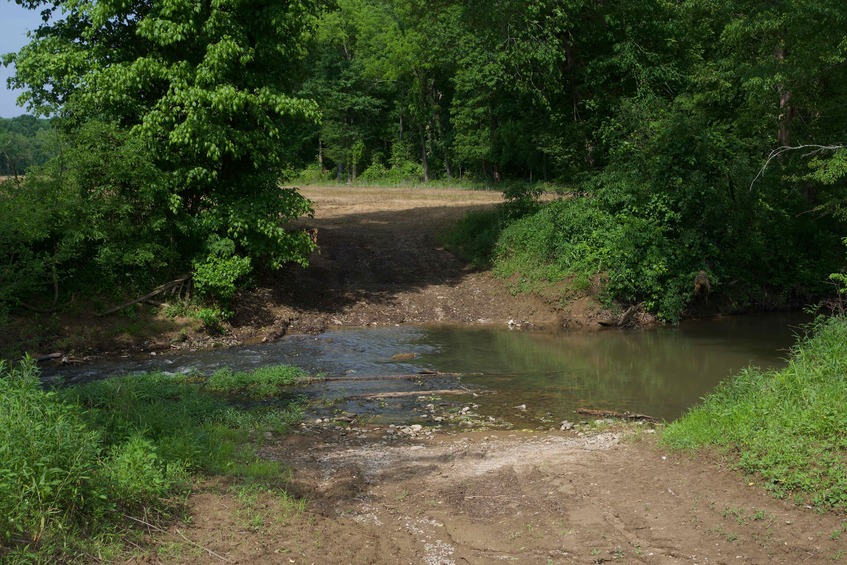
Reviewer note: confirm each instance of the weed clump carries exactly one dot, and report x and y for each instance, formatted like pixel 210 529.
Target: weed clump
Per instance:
pixel 264 382
pixel 81 464
pixel 786 426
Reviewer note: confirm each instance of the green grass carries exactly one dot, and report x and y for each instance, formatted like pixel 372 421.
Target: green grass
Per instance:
pixel 786 427
pixel 77 461
pixel 265 382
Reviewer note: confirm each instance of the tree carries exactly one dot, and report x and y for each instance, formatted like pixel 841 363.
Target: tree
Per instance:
pixel 203 90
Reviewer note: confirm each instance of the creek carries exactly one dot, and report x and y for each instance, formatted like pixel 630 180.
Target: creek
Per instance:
pixel 390 373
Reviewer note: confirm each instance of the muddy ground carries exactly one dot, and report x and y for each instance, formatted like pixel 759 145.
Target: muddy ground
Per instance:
pixel 601 492
pixel 608 495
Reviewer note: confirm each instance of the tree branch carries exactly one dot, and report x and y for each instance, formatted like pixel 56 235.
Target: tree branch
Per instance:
pixel 815 149
pixel 150 294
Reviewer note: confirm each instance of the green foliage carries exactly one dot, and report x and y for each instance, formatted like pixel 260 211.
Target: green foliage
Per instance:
pixel 265 382
pixel 76 460
pixel 662 113
pixel 784 426
pixel 25 142
pixel 49 477
pixel 135 477
pixel 175 119
pixel 217 275
pixel 473 238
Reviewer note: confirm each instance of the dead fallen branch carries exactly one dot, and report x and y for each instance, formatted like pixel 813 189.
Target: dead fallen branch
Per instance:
pixel 619 415
pixel 185 539
pixel 625 318
pixel 48 357
pixel 445 392
pixel 158 290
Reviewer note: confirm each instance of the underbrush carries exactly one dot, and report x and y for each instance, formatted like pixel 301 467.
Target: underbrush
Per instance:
pixel 474 237
pixel 647 256
pixel 85 466
pixel 787 426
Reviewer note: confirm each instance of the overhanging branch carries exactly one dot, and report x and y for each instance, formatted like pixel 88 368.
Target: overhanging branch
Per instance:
pixel 814 150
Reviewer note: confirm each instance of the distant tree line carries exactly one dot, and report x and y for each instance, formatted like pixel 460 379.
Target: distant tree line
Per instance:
pixel 25 142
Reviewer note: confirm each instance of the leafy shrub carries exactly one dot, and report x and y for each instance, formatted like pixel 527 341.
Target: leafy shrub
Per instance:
pixel 136 477
pixel 474 237
pixel 212 317
pixel 314 174
pixel 217 273
pixel 567 238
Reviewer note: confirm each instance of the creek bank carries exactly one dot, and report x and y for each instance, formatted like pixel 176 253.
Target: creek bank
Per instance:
pixel 379 264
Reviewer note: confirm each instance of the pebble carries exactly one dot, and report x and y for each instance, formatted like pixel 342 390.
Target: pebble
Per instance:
pixel 566 425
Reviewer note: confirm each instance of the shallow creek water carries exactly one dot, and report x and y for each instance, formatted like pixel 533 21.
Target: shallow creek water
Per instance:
pixel 384 372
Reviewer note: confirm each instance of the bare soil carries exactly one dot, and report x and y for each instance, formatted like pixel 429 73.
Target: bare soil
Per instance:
pixel 491 497
pixel 380 263
pixel 381 495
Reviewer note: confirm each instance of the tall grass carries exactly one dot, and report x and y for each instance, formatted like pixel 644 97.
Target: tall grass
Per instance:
pixel 788 426
pixel 77 461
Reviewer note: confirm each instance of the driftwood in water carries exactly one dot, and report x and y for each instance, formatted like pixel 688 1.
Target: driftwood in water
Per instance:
pixel 619 415
pixel 625 318
pixel 48 357
pixel 378 395
pixel 63 359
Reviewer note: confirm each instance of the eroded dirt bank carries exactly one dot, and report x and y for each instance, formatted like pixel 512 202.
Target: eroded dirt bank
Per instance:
pixel 379 264
pixel 503 496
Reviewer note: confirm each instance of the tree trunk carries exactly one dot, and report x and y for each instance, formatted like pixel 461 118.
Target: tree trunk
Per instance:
pixel 786 109
pixel 424 160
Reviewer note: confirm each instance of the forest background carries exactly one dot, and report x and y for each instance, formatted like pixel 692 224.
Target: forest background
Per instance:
pixel 690 138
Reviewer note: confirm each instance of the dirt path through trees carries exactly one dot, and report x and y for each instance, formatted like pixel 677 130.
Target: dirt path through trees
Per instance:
pixel 380 263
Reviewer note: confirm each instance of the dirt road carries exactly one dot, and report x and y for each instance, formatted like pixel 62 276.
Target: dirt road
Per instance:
pixel 380 264
pixel 395 495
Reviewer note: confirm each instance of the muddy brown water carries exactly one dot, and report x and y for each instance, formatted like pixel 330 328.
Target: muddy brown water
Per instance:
pixel 524 378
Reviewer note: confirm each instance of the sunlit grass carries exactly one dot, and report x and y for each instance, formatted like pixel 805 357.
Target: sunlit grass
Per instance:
pixel 78 461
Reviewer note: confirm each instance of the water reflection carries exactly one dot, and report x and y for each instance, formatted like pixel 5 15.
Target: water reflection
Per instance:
pixel 659 372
